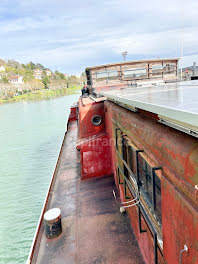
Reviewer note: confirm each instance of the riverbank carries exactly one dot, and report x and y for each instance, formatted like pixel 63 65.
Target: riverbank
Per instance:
pixel 41 94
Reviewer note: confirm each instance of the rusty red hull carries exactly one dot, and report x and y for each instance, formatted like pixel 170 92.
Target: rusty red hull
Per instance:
pixel 176 153
pixel 87 169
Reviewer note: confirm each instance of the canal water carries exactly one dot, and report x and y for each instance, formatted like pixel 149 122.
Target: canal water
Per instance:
pixel 31 134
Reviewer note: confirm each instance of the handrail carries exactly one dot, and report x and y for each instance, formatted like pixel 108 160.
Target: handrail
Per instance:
pixel 141 210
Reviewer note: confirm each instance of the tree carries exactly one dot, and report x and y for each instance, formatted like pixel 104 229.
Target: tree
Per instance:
pixel 27 76
pixel 46 81
pixel 40 66
pixel 13 64
pixel 83 78
pixel 62 76
pixel 2 62
pixel 59 76
pixel 4 80
pixel 73 80
pixel 31 66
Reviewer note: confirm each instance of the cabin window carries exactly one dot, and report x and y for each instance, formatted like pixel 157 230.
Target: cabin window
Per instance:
pixel 169 68
pixel 107 75
pixel 157 70
pixel 124 149
pixel 119 175
pixel 157 208
pixel 131 158
pixel 150 185
pixel 124 155
pixel 118 139
pixel 145 177
pixel 128 158
pixel 118 143
pixel 135 73
pixel 131 163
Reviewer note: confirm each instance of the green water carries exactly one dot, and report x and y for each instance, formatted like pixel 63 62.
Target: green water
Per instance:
pixel 31 134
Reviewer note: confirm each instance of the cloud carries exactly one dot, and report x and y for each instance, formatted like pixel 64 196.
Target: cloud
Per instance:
pixel 69 35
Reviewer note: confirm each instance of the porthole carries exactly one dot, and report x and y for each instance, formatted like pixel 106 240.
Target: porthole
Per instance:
pixel 96 120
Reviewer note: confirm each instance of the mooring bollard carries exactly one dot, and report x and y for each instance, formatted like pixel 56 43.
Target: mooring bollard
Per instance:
pixel 52 219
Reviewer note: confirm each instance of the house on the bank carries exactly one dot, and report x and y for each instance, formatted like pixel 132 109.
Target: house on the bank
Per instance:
pixel 38 74
pixel 15 79
pixel 190 72
pixel 48 72
pixel 187 73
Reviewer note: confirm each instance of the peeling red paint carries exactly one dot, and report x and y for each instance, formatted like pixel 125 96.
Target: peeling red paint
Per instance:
pixel 87 109
pixel 73 114
pixel 177 153
pixel 94 142
pixel 180 225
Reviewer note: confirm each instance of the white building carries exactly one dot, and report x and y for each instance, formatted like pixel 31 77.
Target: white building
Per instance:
pixel 15 79
pixel 48 72
pixel 38 74
pixel 2 68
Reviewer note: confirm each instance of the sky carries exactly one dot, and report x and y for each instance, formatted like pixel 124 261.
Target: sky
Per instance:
pixel 70 35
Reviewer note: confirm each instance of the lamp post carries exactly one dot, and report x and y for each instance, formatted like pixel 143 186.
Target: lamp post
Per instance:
pixel 124 54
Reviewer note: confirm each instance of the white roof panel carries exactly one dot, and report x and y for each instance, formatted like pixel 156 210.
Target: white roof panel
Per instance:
pixel 178 101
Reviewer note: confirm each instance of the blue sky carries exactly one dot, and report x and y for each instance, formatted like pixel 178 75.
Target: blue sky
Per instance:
pixel 70 35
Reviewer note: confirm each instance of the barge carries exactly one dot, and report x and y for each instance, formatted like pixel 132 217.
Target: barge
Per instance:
pixel 126 180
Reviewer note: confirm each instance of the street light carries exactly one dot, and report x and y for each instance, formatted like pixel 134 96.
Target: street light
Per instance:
pixel 124 54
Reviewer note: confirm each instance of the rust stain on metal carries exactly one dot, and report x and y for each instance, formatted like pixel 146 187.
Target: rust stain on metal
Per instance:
pixel 177 153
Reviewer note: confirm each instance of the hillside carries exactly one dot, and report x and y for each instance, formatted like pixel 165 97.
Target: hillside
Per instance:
pixel 17 79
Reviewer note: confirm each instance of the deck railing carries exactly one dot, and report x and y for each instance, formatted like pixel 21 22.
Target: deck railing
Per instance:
pixel 132 72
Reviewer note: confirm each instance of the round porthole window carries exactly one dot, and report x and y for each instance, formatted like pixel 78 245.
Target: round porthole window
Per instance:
pixel 96 120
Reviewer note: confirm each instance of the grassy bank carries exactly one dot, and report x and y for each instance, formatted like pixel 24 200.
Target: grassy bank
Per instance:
pixel 41 94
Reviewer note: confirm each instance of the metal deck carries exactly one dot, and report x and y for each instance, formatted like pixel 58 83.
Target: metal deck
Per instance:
pixel 178 101
pixel 94 231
